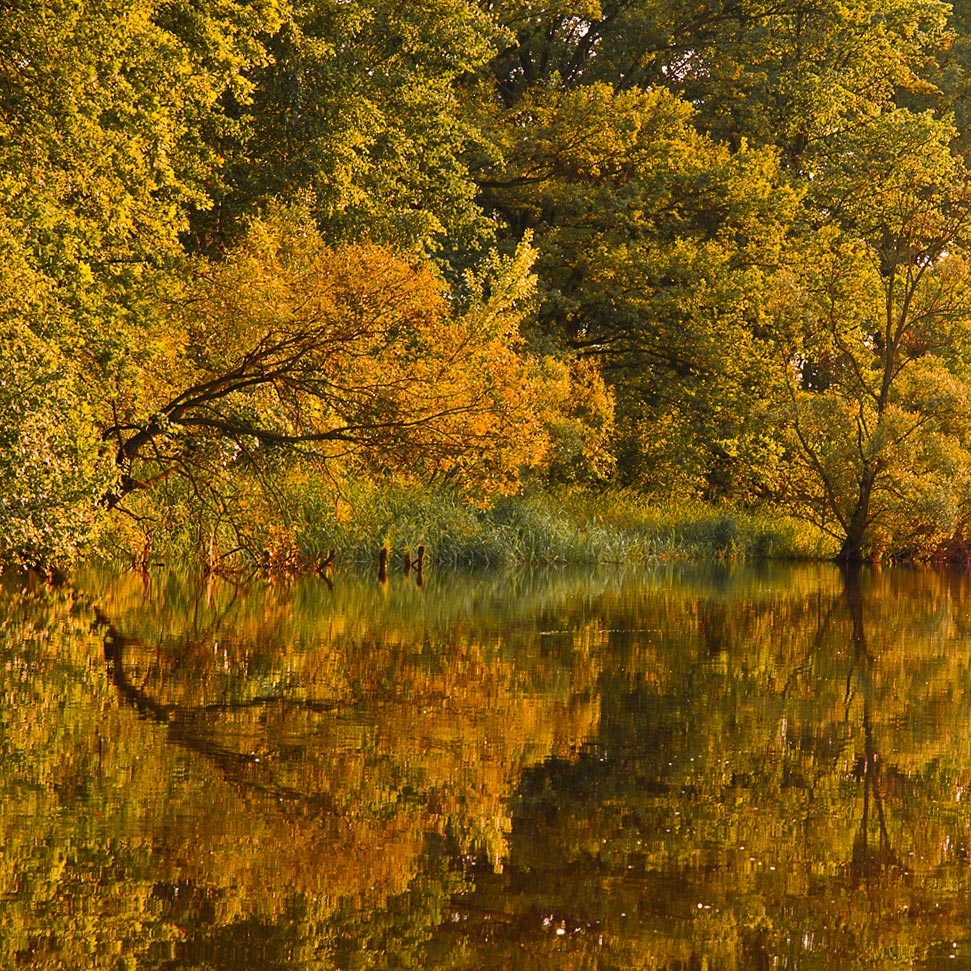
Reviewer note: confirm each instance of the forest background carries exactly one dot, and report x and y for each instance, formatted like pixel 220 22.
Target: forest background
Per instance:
pixel 275 275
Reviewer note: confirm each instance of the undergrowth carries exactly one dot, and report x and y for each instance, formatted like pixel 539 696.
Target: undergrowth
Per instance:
pixel 566 527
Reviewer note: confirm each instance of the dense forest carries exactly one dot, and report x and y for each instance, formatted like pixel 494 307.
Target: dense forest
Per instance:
pixel 253 251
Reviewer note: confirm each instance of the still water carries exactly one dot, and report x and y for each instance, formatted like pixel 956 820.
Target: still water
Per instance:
pixel 679 767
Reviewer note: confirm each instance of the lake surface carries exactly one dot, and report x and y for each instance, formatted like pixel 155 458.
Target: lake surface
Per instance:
pixel 680 767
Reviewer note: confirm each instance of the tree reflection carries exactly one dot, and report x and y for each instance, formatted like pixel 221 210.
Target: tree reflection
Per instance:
pixel 735 810
pixel 726 769
pixel 869 861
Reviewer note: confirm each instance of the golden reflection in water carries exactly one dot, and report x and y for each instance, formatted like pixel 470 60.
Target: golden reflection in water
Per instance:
pixel 657 768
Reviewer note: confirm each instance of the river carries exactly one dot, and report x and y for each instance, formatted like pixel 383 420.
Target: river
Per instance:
pixel 675 766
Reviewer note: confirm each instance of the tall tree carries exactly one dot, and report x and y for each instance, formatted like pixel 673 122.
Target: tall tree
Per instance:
pixel 358 105
pixel 659 251
pixel 786 73
pixel 656 245
pixel 105 113
pixel 102 108
pixel 879 323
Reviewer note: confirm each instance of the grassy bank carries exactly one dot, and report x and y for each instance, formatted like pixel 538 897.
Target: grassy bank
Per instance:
pixel 569 527
pixel 563 527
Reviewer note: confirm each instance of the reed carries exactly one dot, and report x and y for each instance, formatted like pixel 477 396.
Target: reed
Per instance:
pixel 560 527
pixel 565 526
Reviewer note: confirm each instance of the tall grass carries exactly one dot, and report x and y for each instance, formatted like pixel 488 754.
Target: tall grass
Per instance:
pixel 564 527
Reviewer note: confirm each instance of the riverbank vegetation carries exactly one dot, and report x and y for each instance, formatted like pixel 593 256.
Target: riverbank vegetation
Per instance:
pixel 548 527
pixel 501 263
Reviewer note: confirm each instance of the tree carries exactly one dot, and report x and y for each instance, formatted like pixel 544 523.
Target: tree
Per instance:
pixel 948 88
pixel 107 114
pixel 659 247
pixel 656 247
pixel 52 470
pixel 358 105
pixel 782 73
pixel 879 321
pixel 106 117
pixel 352 358
pixel 797 74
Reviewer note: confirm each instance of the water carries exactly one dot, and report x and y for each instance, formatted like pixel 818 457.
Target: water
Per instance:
pixel 680 767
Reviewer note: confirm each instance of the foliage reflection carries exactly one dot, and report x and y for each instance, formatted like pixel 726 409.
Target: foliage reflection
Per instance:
pixel 685 767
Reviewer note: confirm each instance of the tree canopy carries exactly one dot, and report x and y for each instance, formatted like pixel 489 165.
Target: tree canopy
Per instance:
pixel 710 251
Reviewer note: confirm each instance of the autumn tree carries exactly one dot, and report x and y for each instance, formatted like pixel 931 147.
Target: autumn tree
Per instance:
pixel 655 249
pixel 105 116
pixel 124 125
pixel 351 358
pixel 51 465
pixel 799 73
pixel 659 247
pixel 878 317
pixel 358 104
pixel 105 113
pixel 788 74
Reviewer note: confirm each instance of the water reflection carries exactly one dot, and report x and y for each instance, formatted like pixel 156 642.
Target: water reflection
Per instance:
pixel 680 767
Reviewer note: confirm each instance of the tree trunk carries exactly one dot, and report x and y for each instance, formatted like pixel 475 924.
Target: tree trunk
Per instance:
pixel 852 549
